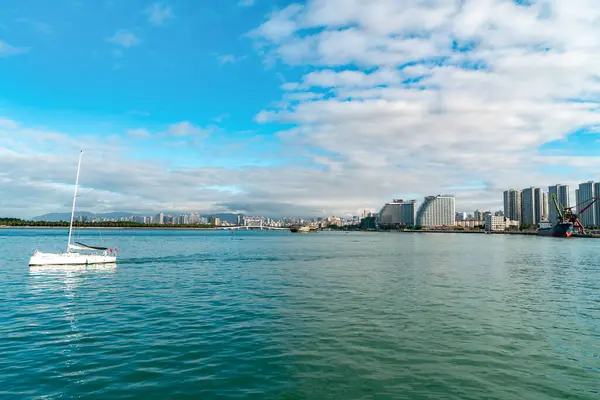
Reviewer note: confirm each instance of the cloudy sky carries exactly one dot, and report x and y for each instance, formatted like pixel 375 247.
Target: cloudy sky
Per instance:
pixel 292 108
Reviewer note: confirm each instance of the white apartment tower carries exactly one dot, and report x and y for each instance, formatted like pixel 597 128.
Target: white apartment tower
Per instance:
pixel 437 211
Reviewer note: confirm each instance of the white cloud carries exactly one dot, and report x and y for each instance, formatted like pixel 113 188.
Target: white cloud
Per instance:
pixel 229 59
pixel 124 38
pixel 138 133
pixel 8 50
pixel 8 124
pixel 158 13
pixel 280 25
pixel 46 170
pixel 404 104
pixel 186 128
pixel 384 105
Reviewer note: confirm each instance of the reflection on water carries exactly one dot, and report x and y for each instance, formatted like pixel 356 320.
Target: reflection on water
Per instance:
pixel 68 269
pixel 67 287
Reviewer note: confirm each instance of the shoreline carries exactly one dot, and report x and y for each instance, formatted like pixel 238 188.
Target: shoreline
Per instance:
pixel 112 228
pixel 518 233
pixel 167 228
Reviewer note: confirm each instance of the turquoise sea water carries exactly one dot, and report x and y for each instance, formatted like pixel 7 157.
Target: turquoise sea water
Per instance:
pixel 275 315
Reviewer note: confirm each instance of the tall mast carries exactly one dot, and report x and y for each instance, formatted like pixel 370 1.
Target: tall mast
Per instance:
pixel 74 199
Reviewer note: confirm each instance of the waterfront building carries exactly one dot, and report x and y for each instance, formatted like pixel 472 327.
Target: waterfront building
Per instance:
pixel 539 199
pixel 330 221
pixel 461 216
pixel 437 211
pixel 494 223
pixel 398 212
pixel 528 206
pixel 562 196
pixel 499 223
pixel 478 215
pixel 194 218
pixel 512 204
pixel 368 222
pixel 597 204
pixel 471 223
pixel 584 196
pixel 160 218
pixel 255 222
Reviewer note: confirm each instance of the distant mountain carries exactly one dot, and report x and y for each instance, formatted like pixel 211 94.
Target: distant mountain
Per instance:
pixel 56 217
pixel 225 217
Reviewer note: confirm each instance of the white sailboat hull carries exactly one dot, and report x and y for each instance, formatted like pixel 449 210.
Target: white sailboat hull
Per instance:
pixel 70 259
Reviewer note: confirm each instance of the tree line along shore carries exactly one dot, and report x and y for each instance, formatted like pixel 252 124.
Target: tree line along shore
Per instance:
pixel 19 223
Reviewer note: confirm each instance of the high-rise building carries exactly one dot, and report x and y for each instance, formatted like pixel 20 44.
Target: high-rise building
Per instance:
pixel 512 204
pixel 194 218
pixel 528 207
pixel 460 216
pixel 160 218
pixel 584 196
pixel 478 215
pixel 539 199
pixel 562 196
pixel 597 205
pixel 398 212
pixel 437 211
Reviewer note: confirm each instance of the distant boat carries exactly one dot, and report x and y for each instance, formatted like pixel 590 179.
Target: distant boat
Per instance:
pixel 562 229
pixel 303 229
pixel 99 255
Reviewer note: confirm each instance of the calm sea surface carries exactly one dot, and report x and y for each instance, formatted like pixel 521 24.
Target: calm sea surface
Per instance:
pixel 276 315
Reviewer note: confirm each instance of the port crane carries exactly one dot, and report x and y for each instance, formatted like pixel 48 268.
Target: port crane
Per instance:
pixel 567 214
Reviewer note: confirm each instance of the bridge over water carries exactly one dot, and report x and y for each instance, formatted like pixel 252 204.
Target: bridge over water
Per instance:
pixel 254 228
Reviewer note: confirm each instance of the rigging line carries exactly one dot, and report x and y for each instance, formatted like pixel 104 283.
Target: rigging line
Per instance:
pixel 101 238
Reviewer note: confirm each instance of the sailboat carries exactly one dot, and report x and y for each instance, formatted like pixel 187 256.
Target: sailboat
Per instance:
pixel 73 255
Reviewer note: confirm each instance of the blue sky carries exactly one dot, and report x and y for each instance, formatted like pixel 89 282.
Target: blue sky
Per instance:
pixel 282 107
pixel 195 64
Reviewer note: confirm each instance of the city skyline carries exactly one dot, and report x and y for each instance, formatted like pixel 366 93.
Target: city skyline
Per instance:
pixel 293 108
pixel 527 207
pixel 496 206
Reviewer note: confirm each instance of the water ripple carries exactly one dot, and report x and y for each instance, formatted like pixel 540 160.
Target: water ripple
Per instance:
pixel 279 316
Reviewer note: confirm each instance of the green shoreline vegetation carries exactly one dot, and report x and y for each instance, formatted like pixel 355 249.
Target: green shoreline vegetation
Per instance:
pixel 20 223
